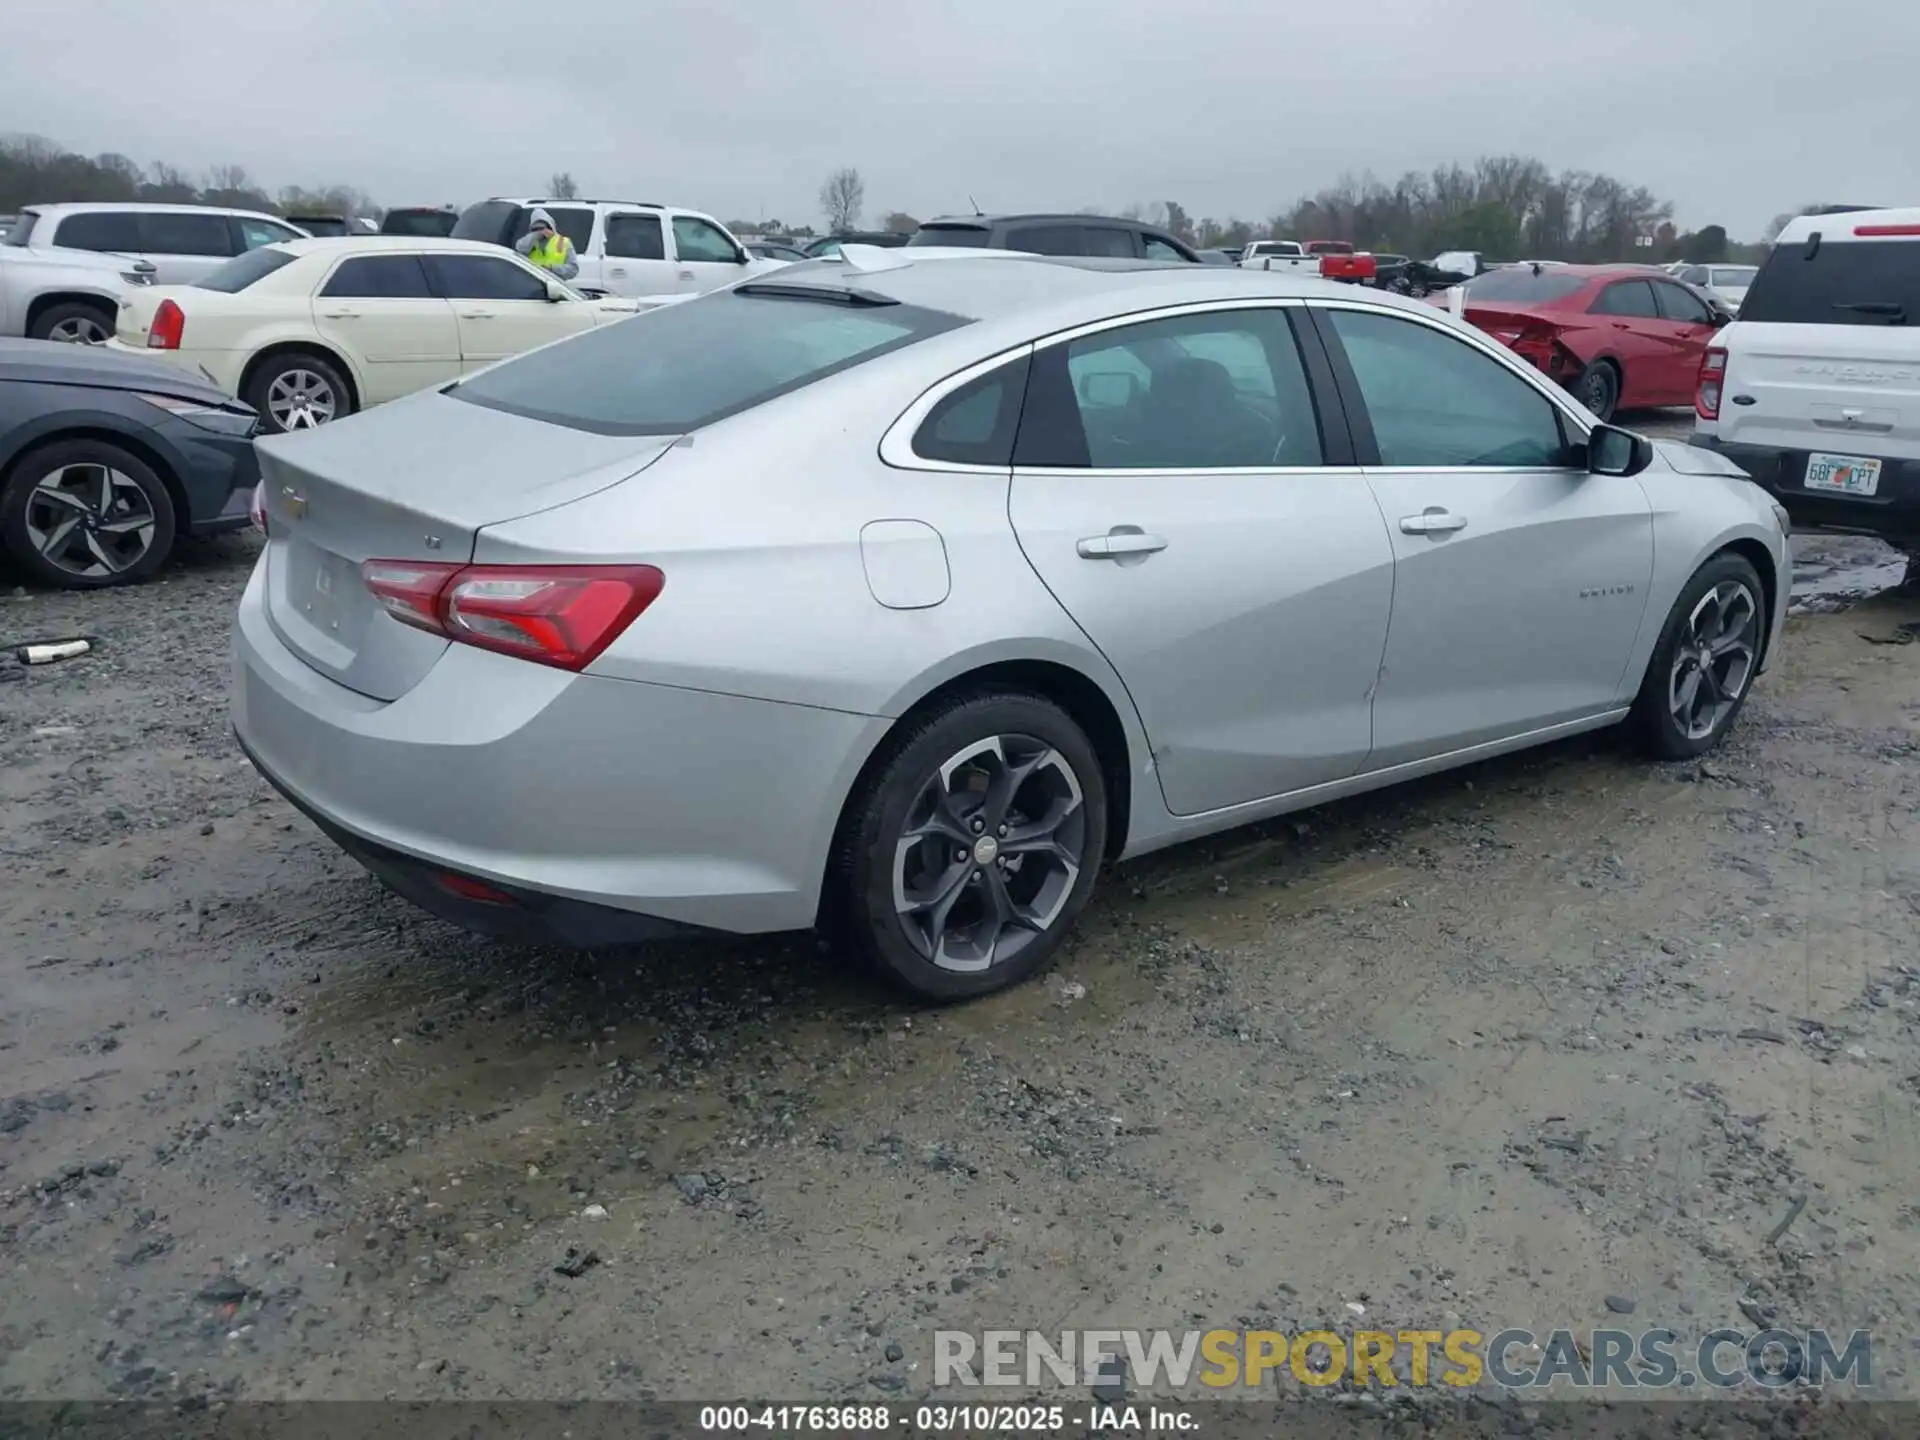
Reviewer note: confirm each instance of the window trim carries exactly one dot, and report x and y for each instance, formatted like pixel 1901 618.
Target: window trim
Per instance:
pixel 429 261
pixel 1576 429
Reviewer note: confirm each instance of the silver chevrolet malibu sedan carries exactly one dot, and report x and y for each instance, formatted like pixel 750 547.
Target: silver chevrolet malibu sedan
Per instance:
pixel 895 594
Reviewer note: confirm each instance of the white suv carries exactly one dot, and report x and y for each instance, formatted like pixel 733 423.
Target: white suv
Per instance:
pixel 63 267
pixel 1814 390
pixel 629 248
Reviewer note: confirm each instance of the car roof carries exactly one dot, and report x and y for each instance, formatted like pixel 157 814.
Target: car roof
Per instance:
pixel 983 222
pixel 142 207
pixel 994 284
pixel 386 244
pixel 576 201
pixel 1846 225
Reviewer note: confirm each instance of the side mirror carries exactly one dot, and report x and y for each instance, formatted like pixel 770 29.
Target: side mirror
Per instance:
pixel 556 292
pixel 1613 451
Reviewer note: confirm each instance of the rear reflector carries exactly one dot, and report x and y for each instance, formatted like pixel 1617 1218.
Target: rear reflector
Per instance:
pixel 467 888
pixel 559 615
pixel 1883 231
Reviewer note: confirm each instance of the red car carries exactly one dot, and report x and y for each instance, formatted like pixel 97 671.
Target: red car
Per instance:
pixel 1620 337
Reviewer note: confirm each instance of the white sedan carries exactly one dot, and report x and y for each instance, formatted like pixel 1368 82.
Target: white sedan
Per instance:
pixel 311 330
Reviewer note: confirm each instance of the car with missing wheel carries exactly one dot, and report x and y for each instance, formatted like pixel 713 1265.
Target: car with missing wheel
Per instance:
pixel 1620 337
pixel 897 596
pixel 105 461
pixel 315 330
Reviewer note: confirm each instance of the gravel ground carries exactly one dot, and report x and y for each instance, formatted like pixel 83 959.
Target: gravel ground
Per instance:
pixel 1489 1048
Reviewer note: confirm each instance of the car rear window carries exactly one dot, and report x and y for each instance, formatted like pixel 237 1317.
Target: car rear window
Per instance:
pixel 1524 286
pixel 968 236
pixel 1850 282
pixel 489 220
pixel 244 270
pixel 688 365
pixel 21 230
pixel 417 223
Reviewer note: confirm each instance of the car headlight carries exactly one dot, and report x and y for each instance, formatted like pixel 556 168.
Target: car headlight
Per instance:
pixel 220 419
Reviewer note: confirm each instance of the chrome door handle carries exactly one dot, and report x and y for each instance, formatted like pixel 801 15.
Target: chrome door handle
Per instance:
pixel 1433 522
pixel 476 314
pixel 1118 543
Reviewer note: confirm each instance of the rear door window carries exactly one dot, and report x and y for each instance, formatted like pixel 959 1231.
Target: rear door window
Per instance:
pixel 570 220
pixel 635 237
pixel 171 232
pixel 493 221
pixel 99 230
pixel 379 277
pixel 1631 298
pixel 681 367
pixel 1849 282
pixel 1048 239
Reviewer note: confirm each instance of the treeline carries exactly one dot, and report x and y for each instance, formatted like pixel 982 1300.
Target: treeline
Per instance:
pixel 37 171
pixel 1509 207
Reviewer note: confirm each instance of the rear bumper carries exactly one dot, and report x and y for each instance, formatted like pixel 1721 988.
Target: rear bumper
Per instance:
pixel 572 794
pixel 1892 512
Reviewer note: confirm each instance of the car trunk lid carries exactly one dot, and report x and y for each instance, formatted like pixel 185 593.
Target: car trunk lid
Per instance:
pixel 414 480
pixel 1847 389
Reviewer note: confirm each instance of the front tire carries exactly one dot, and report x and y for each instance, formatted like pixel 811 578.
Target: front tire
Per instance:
pixel 1704 662
pixel 298 390
pixel 1598 388
pixel 972 846
pixel 86 514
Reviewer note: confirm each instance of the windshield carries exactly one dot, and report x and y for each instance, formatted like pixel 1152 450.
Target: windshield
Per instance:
pixel 1733 275
pixel 1853 282
pixel 21 229
pixel 1522 286
pixel 243 270
pixel 685 366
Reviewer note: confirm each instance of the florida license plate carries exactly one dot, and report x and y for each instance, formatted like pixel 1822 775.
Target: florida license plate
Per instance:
pixel 1843 474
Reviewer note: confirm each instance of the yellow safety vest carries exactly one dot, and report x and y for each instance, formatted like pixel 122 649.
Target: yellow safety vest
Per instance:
pixel 551 253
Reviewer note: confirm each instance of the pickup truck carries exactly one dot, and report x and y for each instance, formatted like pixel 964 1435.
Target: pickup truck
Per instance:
pixel 1334 260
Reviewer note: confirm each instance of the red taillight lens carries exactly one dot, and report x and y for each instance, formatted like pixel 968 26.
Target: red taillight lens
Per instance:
pixel 559 615
pixel 257 508
pixel 1706 390
pixel 409 590
pixel 169 324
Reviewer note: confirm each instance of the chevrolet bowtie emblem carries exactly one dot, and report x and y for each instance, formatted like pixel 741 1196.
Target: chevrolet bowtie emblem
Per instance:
pixel 296 502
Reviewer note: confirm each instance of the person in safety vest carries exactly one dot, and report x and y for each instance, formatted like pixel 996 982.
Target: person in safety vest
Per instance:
pixel 548 248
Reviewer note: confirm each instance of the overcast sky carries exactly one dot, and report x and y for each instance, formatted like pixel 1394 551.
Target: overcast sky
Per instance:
pixel 1732 109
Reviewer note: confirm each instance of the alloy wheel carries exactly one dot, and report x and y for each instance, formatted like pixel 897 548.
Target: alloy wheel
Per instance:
pixel 993 844
pixel 1714 659
pixel 90 520
pixel 79 330
pixel 300 400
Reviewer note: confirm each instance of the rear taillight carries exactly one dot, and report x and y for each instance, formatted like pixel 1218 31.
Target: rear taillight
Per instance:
pixel 257 509
pixel 1706 390
pixel 169 324
pixel 560 615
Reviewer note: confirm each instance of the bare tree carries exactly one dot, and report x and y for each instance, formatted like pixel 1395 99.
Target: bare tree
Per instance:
pixel 841 198
pixel 560 186
pixel 898 222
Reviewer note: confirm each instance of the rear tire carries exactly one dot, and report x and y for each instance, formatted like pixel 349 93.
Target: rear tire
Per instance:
pixel 1703 665
pixel 1598 388
pixel 85 515
pixel 298 390
pixel 971 846
pixel 74 322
